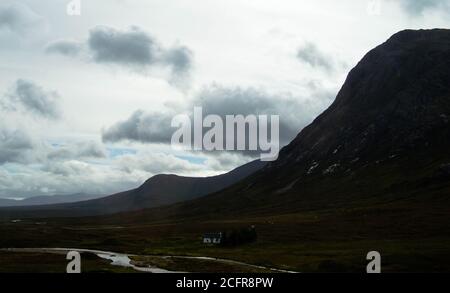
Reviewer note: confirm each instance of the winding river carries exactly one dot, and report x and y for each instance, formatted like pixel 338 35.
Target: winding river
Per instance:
pixel 123 260
pixel 117 259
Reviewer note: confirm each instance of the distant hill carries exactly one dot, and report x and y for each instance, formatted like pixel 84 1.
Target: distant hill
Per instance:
pixel 4 202
pixel 157 191
pixel 46 200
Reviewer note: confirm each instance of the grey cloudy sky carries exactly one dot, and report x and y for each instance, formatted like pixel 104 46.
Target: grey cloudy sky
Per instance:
pixel 85 100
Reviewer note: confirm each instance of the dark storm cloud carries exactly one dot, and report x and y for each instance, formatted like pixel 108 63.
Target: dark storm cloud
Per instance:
pixel 147 127
pixel 34 99
pixel 310 54
pixel 224 101
pixel 418 7
pixel 133 49
pixel 64 47
pixel 141 127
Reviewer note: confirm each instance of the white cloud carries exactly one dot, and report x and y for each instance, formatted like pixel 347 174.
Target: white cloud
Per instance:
pixel 65 47
pixel 30 97
pixel 79 150
pixel 310 54
pixel 16 145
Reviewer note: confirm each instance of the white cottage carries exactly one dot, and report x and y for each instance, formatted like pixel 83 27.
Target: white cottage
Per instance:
pixel 212 238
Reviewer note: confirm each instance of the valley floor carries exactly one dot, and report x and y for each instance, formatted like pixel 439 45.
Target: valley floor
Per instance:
pixel 327 241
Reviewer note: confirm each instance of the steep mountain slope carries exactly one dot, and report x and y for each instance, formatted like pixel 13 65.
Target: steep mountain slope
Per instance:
pixel 396 99
pixel 388 125
pixel 157 191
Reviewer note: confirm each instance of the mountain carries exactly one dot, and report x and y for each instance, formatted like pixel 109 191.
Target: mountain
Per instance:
pixel 46 200
pixel 384 139
pixel 388 126
pixel 396 100
pixel 157 191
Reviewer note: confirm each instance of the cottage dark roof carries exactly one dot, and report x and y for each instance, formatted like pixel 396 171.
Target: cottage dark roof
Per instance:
pixel 212 235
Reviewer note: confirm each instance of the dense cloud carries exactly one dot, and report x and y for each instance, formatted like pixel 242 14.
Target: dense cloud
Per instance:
pixel 34 99
pixel 180 58
pixel 137 49
pixel 224 101
pixel 310 54
pixel 64 177
pixel 156 163
pixel 16 145
pixel 142 127
pixel 294 113
pixel 133 49
pixel 18 18
pixel 418 7
pixel 30 167
pixel 73 175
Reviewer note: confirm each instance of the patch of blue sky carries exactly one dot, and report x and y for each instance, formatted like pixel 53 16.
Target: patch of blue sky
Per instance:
pixel 116 152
